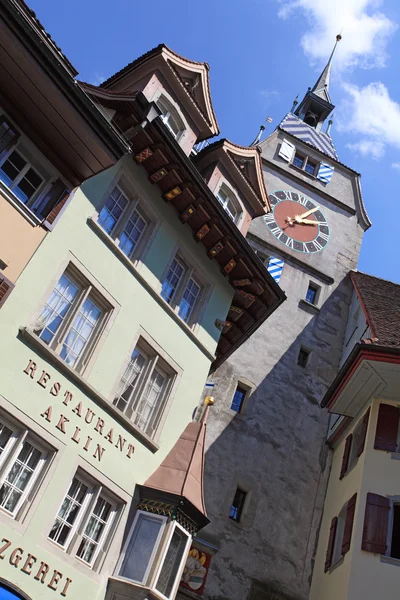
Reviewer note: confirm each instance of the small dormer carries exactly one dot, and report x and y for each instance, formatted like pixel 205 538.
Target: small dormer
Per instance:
pixel 179 87
pixel 234 175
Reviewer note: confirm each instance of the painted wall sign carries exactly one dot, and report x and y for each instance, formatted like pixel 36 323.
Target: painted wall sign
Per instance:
pixel 61 421
pixel 195 571
pixel 33 566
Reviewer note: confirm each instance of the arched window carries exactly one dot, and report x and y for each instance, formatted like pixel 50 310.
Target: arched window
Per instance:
pixel 229 202
pixel 171 117
pixel 7 593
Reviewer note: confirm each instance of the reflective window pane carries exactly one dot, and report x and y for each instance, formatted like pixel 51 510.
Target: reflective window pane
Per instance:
pixel 142 544
pixel 172 562
pixel 112 210
pixel 70 510
pixel 56 309
pixel 19 476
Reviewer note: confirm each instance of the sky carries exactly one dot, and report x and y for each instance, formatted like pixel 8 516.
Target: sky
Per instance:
pixel 262 53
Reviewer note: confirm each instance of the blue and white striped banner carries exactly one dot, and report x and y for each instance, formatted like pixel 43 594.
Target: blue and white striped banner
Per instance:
pixel 275 267
pixel 325 172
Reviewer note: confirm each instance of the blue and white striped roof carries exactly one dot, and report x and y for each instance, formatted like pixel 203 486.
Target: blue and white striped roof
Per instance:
pixel 320 140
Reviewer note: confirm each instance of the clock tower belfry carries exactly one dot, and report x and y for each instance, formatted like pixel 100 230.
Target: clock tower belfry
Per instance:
pixel 267 463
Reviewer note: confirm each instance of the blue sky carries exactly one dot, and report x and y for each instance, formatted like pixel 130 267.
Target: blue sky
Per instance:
pixel 262 53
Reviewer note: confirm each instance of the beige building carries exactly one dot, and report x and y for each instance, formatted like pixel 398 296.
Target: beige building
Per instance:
pixel 358 552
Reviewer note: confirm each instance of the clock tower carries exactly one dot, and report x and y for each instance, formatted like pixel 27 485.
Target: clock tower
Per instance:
pixel 266 461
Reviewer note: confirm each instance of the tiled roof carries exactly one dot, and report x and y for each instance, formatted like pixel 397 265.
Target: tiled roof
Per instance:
pixel 318 139
pixel 380 300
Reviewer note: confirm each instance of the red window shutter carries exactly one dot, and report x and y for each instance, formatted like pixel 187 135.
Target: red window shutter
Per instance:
pixel 348 525
pixel 331 543
pixel 386 428
pixel 6 288
pixel 346 455
pixel 8 134
pixel 363 435
pixel 53 198
pixel 375 524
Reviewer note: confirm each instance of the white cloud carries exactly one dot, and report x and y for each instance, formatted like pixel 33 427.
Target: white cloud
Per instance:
pixel 396 165
pixel 97 79
pixel 366 30
pixel 373 115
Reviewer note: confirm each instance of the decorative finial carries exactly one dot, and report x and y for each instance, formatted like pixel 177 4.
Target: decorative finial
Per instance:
pixel 338 37
pixel 330 123
pixel 259 134
pixel 209 400
pixel 295 103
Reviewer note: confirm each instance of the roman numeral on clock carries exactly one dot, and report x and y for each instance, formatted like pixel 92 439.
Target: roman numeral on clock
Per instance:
pixel 324 236
pixel 289 243
pixel 269 218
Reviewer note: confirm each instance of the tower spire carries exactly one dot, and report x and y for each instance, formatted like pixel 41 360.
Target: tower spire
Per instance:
pixel 321 87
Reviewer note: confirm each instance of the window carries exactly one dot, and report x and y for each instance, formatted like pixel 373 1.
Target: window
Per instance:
pixel 85 519
pixel 21 462
pixel 182 289
pixel 340 533
pixel 124 220
pixel 72 318
pixel 312 294
pixel 170 117
pixel 354 445
pixel 22 174
pixel 237 505
pixel 144 388
pixel 155 553
pixel 303 356
pixel 226 198
pixel 238 399
pixel 305 163
pixel 395 544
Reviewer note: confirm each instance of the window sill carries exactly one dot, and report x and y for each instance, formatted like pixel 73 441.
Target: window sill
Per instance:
pixel 308 307
pixel 390 560
pixel 131 265
pixel 336 564
pixel 303 171
pixel 33 340
pixel 395 456
pixel 19 206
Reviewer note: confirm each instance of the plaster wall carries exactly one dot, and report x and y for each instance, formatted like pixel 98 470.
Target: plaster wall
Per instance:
pixel 19 239
pixel 138 308
pixel 276 448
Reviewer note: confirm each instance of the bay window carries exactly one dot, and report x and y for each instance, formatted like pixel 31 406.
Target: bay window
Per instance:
pixel 155 553
pixel 182 289
pixel 72 318
pixel 124 220
pixel 144 388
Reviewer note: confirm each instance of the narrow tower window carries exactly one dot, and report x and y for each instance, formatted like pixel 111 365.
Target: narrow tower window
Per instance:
pixel 237 505
pixel 312 293
pixel 238 398
pixel 303 356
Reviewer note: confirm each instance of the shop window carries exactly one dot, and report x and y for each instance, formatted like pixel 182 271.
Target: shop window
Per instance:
pixel 85 519
pixel 124 219
pixel 22 462
pixel 182 289
pixel 72 318
pixel 237 506
pixel 144 388
pixel 155 553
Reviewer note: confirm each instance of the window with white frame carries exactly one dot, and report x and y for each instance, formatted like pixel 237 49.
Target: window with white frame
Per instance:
pixel 182 289
pixel 228 201
pixel 171 117
pixel 24 175
pixel 155 553
pixel 144 388
pixel 85 520
pixel 22 461
pixel 72 318
pixel 124 220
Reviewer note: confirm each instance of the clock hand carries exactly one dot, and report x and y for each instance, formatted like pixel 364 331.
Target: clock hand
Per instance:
pixel 307 222
pixel 308 212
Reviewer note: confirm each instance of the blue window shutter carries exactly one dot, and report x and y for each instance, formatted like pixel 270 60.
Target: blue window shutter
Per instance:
pixel 325 172
pixel 275 267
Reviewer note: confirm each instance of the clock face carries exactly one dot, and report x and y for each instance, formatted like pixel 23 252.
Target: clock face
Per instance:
pixel 297 222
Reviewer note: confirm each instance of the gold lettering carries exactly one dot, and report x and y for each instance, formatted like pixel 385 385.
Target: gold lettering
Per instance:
pixel 61 422
pixel 15 557
pixel 47 414
pixel 66 586
pixel 44 378
pixel 121 443
pixel 4 548
pixel 98 453
pixel 78 409
pixel 54 580
pixel 42 572
pixel 131 450
pixel 86 446
pixel 100 426
pixel 56 388
pixel 109 436
pixel 30 561
pixel 67 397
pixel 32 366
pixel 75 436
pixel 89 416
